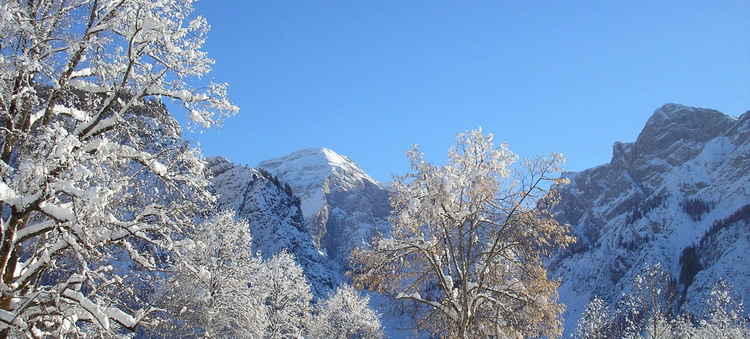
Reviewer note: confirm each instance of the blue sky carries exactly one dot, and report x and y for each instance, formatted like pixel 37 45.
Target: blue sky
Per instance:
pixel 370 78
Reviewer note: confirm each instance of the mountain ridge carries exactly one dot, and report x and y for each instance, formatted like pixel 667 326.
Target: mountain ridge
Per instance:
pixel 275 218
pixel 659 195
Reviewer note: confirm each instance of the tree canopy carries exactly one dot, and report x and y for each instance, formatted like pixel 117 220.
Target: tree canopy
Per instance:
pixel 468 241
pixel 96 184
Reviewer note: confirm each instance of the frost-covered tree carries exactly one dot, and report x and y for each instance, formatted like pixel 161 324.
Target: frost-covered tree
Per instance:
pixel 650 307
pixel 345 314
pixel 217 292
pixel 88 179
pixel 468 241
pixel 222 289
pixel 287 297
pixel 596 322
pixel 645 312
pixel 724 314
pixel 646 315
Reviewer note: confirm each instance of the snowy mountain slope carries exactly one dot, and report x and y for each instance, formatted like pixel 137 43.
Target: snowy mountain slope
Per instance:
pixel 342 205
pixel 683 183
pixel 276 221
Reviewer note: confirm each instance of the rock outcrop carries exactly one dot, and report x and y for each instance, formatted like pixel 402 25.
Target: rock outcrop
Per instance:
pixel 683 183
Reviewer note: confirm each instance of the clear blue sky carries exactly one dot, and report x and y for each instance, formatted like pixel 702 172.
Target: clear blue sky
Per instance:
pixel 370 78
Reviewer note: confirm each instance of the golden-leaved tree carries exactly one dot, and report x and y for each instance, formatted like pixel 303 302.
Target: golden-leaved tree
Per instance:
pixel 468 242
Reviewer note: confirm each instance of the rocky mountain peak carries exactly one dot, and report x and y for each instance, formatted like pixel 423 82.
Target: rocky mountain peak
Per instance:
pixel 218 165
pixel 312 165
pixel 741 129
pixel 314 156
pixel 673 126
pixel 682 187
pixel 342 205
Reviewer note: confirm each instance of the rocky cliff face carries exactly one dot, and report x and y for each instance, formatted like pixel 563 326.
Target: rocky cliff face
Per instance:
pixel 684 183
pixel 343 207
pixel 275 218
pixel 339 207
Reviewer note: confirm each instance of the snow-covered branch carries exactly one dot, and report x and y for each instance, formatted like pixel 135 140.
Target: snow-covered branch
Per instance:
pixel 467 243
pixel 94 171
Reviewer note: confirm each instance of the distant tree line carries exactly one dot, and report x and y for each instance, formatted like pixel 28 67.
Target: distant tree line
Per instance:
pixel 690 265
pixel 690 259
pixel 283 186
pixel 742 214
pixel 645 207
pixel 696 207
pixel 647 312
pixel 633 244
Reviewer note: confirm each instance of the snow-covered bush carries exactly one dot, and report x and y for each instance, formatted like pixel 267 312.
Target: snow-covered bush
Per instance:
pixel 346 314
pixel 724 314
pixel 222 289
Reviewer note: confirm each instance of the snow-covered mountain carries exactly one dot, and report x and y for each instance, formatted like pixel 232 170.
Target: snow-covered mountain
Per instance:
pixel 275 218
pixel 678 195
pixel 342 205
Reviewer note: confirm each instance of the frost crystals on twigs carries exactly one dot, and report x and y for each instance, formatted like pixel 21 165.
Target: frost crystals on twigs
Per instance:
pixel 468 242
pixel 95 181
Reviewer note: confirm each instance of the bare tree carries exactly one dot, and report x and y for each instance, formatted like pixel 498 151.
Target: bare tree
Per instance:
pixel 88 176
pixel 468 241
